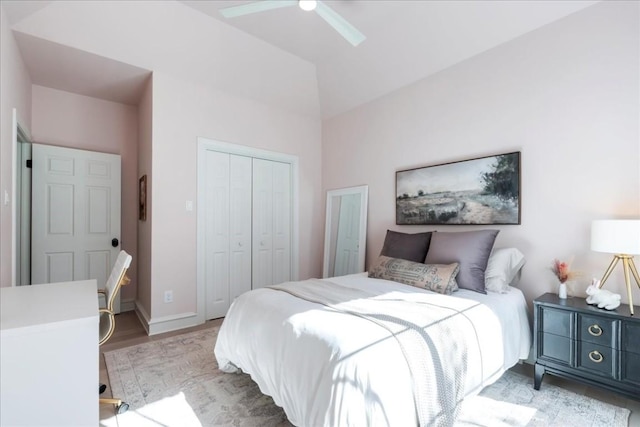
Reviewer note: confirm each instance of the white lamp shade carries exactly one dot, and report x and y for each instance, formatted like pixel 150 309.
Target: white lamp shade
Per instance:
pixel 620 236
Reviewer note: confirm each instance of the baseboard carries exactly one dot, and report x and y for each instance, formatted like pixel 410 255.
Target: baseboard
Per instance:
pixel 128 305
pixel 165 324
pixel 142 316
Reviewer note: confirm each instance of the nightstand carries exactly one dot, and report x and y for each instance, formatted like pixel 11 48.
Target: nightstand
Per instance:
pixel 575 340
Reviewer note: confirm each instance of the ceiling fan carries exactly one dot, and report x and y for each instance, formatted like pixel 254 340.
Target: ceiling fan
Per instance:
pixel 346 30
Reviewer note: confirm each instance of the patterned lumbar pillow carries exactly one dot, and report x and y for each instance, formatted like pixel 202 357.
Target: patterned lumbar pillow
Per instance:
pixel 439 278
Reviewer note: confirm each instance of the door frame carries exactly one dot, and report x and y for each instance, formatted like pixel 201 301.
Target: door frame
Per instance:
pixel 206 144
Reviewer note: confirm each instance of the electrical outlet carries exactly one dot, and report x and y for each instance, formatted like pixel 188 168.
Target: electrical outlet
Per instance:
pixel 168 297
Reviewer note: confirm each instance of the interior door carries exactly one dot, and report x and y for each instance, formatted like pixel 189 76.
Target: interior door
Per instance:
pixel 239 226
pixel 216 234
pixel 227 230
pixel 75 214
pixel 271 223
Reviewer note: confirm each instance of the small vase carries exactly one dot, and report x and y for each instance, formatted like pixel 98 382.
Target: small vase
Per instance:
pixel 562 291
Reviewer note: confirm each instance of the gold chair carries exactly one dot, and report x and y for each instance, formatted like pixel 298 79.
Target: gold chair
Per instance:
pixel 117 278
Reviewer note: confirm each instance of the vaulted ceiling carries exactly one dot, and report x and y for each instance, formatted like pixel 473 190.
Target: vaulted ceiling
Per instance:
pixel 405 42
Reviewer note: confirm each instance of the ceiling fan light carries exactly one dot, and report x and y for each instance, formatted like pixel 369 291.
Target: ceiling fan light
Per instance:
pixel 307 5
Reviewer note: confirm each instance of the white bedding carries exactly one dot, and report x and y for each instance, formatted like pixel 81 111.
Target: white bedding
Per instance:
pixel 325 367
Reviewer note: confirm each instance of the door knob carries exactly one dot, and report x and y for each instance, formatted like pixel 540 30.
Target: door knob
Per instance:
pixel 115 242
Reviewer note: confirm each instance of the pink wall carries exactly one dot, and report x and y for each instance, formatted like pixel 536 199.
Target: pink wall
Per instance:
pixel 209 80
pixel 15 87
pixel 145 153
pixel 182 111
pixel 566 96
pixel 69 120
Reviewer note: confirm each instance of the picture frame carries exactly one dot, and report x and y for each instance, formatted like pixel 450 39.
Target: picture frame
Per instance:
pixel 479 191
pixel 142 198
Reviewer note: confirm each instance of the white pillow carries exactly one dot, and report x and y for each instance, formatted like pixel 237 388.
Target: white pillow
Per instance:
pixel 503 269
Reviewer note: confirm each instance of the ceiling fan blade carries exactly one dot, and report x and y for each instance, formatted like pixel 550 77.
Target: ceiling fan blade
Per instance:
pixel 257 6
pixel 346 30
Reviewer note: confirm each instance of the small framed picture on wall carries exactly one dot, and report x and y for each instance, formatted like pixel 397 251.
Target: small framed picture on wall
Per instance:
pixel 142 210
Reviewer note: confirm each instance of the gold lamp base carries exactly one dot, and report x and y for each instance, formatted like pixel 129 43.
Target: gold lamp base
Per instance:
pixel 627 265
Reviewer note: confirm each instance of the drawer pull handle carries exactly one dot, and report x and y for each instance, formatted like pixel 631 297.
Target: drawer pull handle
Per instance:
pixel 595 330
pixel 596 356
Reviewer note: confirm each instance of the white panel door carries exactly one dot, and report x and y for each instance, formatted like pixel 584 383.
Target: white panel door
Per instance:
pixel 216 229
pixel 347 242
pixel 75 214
pixel 240 225
pixel 271 223
pixel 262 246
pixel 281 222
pixel 227 230
pixel 247 222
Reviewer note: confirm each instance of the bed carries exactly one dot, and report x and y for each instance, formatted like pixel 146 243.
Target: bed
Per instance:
pixel 355 350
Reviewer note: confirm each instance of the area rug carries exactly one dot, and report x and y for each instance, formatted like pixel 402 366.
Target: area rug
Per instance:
pixel 175 382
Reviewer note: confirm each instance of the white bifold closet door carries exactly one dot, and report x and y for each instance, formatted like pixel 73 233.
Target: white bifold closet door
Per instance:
pixel 247 227
pixel 271 223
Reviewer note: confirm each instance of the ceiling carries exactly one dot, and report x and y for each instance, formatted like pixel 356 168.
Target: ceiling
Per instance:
pixel 406 42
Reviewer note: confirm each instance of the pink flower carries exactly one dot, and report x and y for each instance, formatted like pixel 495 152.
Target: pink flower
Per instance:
pixel 562 272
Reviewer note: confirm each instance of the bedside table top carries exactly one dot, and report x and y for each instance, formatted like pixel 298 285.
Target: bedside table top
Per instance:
pixel 580 304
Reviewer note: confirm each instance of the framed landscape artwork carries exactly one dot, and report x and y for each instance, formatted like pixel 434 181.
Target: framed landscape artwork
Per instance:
pixel 480 191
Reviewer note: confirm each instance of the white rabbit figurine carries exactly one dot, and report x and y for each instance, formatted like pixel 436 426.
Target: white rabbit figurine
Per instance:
pixel 601 297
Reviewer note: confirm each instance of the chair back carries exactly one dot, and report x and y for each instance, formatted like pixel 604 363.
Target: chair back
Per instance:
pixel 116 278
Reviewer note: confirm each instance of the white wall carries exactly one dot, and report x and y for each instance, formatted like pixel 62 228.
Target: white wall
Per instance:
pixel 15 86
pixel 565 95
pixel 75 121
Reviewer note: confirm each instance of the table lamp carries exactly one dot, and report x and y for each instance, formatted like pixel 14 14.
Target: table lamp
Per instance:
pixel 622 239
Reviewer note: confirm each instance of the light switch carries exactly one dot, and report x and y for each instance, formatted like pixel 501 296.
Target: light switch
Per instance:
pixel 6 198
pixel 189 205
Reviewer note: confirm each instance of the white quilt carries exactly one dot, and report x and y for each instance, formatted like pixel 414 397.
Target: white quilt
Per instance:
pixel 327 367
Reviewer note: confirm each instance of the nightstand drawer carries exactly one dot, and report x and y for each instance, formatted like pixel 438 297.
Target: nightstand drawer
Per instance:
pixel 596 330
pixel 557 322
pixel 631 368
pixel 555 347
pixel 631 337
pixel 596 358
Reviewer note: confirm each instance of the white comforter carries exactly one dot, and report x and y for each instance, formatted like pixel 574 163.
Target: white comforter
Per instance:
pixel 326 367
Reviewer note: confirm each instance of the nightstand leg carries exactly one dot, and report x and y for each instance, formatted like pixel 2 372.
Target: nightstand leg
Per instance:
pixel 537 376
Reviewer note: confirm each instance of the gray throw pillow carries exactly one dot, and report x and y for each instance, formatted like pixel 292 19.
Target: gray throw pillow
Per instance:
pixel 412 247
pixel 436 278
pixel 471 249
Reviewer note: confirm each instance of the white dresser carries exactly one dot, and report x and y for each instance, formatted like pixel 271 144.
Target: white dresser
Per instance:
pixel 49 355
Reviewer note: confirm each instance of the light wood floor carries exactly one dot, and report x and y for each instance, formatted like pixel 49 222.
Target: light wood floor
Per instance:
pixel 129 331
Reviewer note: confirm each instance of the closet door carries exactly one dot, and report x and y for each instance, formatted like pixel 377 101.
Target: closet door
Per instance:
pixel 227 230
pixel 216 231
pixel 271 223
pixel 240 226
